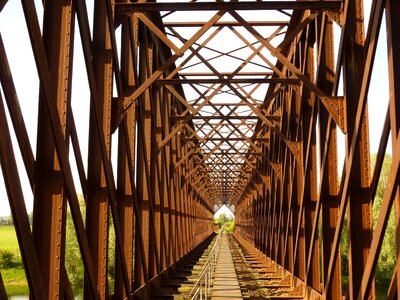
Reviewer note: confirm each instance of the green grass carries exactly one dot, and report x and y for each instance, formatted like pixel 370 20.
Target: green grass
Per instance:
pixel 8 238
pixel 381 291
pixel 14 278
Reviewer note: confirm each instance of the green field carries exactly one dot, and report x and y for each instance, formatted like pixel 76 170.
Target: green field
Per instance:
pixel 8 238
pixel 14 278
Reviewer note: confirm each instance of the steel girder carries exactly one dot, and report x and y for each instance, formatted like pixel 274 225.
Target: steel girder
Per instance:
pixel 213 107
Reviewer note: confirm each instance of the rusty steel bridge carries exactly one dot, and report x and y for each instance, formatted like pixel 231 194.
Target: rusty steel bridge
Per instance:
pixel 148 116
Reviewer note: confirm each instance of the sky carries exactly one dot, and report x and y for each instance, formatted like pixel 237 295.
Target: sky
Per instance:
pixel 15 37
pixel 224 210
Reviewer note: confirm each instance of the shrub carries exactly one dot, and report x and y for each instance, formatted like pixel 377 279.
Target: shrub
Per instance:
pixel 6 259
pixel 229 226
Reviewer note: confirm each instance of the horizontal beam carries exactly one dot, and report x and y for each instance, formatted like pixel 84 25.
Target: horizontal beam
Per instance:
pixel 226 23
pixel 226 81
pixel 232 153
pixel 226 139
pixel 221 104
pixel 226 164
pixel 229 6
pixel 219 180
pixel 216 172
pixel 224 118
pixel 209 74
pixel 198 117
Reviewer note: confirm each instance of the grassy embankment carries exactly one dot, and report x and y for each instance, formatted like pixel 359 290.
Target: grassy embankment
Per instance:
pixel 14 278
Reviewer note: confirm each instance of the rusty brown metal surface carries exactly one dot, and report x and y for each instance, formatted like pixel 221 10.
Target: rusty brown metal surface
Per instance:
pixel 49 202
pixel 97 221
pixel 193 105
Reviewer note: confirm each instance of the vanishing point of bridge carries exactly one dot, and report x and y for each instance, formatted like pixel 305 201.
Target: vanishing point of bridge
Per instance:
pixel 148 116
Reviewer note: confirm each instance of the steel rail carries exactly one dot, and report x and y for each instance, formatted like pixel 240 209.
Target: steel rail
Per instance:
pixel 205 276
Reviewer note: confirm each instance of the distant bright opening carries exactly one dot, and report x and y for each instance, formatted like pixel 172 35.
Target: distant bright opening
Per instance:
pixel 225 210
pixel 224 217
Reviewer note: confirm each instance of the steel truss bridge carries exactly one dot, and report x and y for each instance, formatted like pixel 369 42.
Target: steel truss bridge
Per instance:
pixel 151 115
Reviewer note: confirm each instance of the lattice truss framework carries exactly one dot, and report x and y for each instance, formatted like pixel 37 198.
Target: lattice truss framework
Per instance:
pixel 210 103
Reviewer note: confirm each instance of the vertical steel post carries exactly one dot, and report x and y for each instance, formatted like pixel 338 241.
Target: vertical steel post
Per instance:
pixel 125 189
pixel 329 185
pixel 49 214
pixel 359 206
pixel 97 209
pixel 393 42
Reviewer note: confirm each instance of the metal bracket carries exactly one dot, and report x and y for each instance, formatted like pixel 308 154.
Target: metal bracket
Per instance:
pixel 258 187
pixel 118 111
pixel 297 291
pixel 297 150
pixel 266 136
pixel 336 107
pixel 277 169
pixel 277 115
pixel 286 281
pixel 267 181
pixel 336 16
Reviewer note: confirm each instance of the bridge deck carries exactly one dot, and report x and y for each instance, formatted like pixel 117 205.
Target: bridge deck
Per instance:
pixel 226 285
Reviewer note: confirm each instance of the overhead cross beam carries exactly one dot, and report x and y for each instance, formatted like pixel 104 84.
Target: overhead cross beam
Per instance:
pixel 225 80
pixel 230 6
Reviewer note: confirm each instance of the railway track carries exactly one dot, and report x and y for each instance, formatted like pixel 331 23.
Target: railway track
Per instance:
pixel 259 277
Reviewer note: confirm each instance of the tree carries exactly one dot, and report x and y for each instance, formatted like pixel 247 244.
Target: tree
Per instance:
pixel 30 217
pixel 387 257
pixel 9 220
pixel 222 218
pixel 73 260
pixel 229 226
